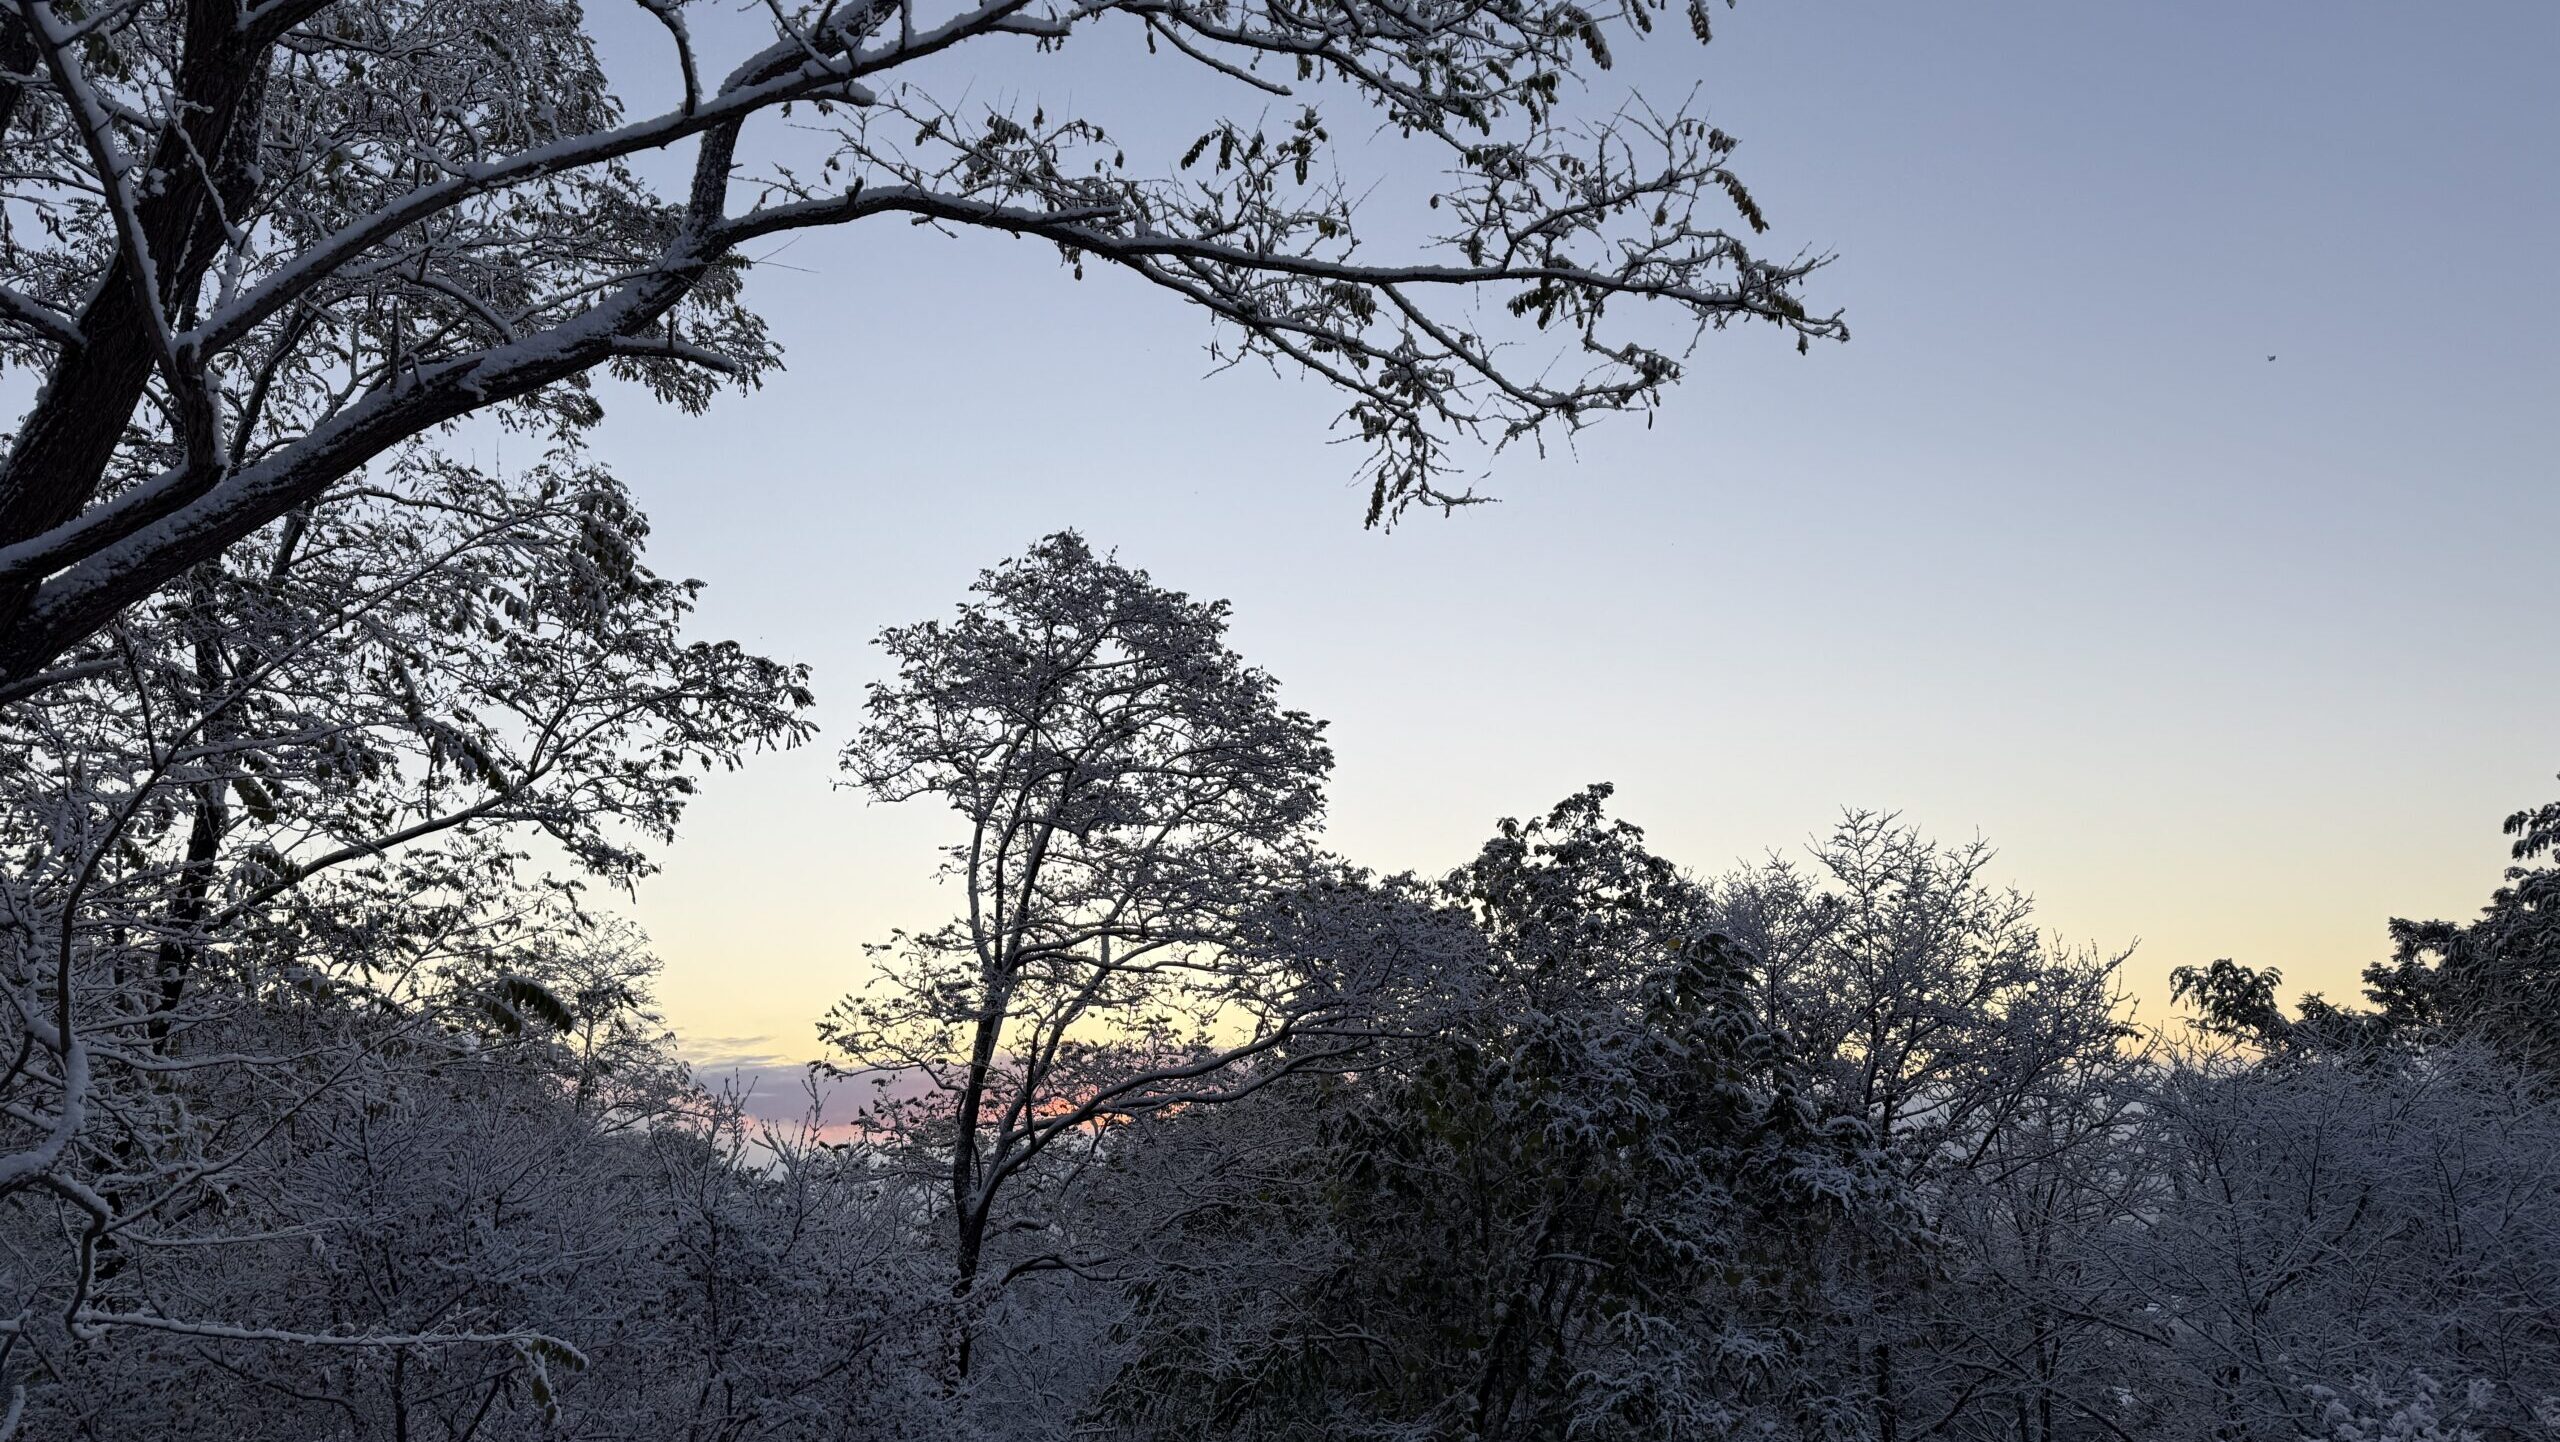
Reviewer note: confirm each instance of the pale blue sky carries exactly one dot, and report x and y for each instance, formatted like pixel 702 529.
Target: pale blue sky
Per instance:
pixel 2231 656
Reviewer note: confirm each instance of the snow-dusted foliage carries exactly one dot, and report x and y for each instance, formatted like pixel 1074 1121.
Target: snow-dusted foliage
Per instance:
pixel 1543 1213
pixel 267 915
pixel 1135 810
pixel 1986 1059
pixel 2339 1246
pixel 1595 1199
pixel 333 1104
pixel 253 246
pixel 449 1250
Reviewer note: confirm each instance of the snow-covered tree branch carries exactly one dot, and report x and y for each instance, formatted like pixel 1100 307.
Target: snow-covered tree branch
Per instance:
pixel 251 250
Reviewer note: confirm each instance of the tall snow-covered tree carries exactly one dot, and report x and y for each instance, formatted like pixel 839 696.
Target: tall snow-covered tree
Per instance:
pixel 1134 803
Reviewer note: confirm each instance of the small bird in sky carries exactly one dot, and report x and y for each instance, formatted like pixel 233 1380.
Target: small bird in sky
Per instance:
pixel 2271 357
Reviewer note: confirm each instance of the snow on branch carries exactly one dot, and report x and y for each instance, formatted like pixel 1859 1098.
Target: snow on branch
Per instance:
pixel 278 247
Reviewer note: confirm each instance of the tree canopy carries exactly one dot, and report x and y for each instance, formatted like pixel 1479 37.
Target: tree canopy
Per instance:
pixel 255 246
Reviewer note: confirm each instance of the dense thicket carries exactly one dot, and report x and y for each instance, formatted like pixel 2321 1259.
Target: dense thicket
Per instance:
pixel 1595 1197
pixel 334 1110
pixel 334 1105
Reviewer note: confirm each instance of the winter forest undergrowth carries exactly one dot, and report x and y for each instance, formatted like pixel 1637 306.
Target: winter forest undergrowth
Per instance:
pixel 333 1099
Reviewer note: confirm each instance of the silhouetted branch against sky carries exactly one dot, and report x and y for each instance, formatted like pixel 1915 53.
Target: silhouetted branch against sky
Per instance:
pixel 255 247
